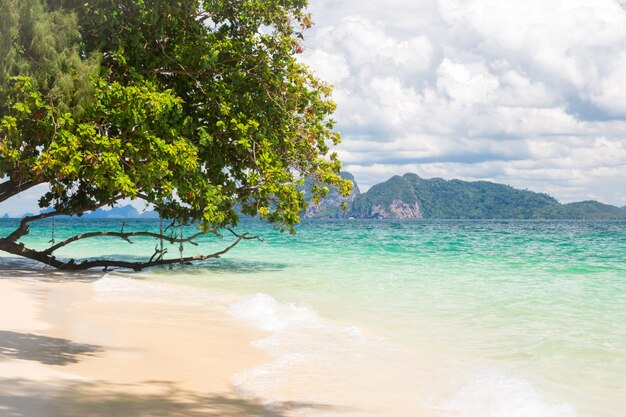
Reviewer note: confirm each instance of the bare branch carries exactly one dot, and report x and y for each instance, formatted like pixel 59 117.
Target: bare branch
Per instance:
pixel 245 236
pixel 125 236
pixel 23 228
pixel 46 258
pixel 10 245
pixel 204 16
pixel 175 71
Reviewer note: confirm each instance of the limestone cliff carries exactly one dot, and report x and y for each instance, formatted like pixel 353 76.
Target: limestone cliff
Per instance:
pixel 398 209
pixel 330 207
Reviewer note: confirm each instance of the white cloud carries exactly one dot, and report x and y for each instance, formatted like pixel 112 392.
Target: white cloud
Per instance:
pixel 518 90
pixel 414 54
pixel 608 92
pixel 525 93
pixel 468 84
pixel 328 66
pixel 571 44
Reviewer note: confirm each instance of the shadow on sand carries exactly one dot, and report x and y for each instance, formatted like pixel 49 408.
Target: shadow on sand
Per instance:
pixel 43 349
pixel 20 398
pixel 31 270
pixel 26 268
pixel 231 266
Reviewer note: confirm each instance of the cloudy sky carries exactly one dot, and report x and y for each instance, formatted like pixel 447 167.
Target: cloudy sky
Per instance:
pixel 528 93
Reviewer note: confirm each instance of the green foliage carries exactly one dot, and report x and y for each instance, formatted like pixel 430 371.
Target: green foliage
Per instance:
pixel 196 106
pixel 455 199
pixel 592 210
pixel 334 205
pixel 45 46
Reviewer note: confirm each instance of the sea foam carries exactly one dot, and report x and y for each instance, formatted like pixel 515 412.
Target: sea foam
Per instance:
pixel 266 313
pixel 304 347
pixel 493 393
pixel 117 287
pixel 320 361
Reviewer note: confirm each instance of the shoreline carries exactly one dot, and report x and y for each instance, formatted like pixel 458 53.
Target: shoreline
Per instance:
pixel 92 345
pixel 64 351
pixel 95 345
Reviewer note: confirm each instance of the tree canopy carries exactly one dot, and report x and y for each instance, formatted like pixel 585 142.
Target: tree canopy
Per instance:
pixel 198 107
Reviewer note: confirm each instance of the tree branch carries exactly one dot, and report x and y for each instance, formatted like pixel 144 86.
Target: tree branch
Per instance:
pixel 23 228
pixel 203 17
pixel 10 245
pixel 46 258
pixel 138 266
pixel 21 250
pixel 245 236
pixel 125 236
pixel 174 71
pixel 10 188
pixel 7 185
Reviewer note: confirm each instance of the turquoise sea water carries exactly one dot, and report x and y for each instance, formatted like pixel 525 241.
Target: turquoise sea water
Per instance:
pixel 407 318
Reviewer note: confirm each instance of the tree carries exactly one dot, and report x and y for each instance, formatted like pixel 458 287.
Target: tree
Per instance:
pixel 198 107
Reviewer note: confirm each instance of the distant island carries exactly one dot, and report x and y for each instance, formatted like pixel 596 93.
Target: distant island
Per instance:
pixel 121 212
pixel 412 197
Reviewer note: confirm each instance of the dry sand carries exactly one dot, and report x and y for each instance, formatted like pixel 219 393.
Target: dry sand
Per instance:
pixel 64 352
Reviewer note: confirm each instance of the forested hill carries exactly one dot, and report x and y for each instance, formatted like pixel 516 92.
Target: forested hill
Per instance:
pixel 412 197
